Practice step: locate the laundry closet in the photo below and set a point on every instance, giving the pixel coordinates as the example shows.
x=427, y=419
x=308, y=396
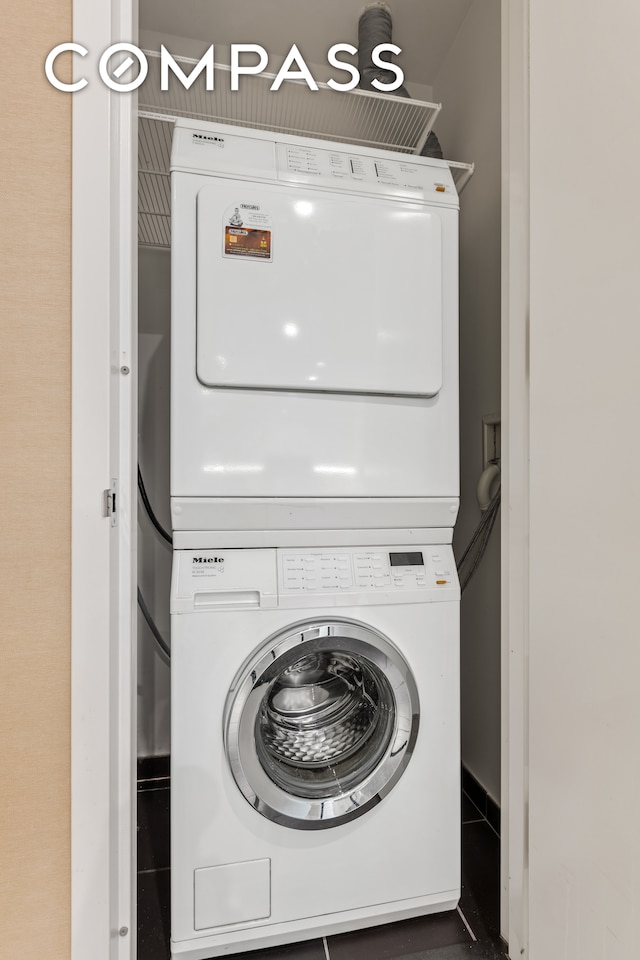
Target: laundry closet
x=451, y=55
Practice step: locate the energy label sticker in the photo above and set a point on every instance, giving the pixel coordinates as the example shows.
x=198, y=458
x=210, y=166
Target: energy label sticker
x=247, y=232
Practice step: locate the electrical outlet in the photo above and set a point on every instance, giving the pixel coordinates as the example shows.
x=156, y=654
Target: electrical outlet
x=490, y=439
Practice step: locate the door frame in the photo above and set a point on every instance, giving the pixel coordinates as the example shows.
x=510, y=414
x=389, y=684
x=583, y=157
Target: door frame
x=104, y=435
x=515, y=477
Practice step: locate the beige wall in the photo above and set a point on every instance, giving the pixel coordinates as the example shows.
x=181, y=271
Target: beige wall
x=584, y=644
x=35, y=183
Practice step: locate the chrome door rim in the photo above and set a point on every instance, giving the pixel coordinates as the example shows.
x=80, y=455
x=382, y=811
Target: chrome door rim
x=246, y=695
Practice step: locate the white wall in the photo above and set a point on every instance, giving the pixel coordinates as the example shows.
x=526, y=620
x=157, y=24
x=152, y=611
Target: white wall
x=154, y=555
x=469, y=129
x=584, y=642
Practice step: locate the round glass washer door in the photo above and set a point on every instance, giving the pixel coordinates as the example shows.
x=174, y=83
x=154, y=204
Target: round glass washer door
x=320, y=723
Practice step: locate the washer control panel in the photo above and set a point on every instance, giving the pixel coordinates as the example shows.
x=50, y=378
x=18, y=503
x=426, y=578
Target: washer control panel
x=272, y=577
x=316, y=571
x=378, y=570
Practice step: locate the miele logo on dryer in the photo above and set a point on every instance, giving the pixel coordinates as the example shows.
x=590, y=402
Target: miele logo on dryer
x=206, y=138
x=208, y=559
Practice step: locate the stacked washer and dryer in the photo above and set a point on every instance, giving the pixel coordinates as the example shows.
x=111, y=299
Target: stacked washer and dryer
x=314, y=488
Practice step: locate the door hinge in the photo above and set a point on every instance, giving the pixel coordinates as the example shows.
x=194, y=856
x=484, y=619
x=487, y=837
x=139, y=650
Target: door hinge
x=110, y=503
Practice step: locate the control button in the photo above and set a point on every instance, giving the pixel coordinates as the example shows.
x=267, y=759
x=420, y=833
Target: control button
x=440, y=581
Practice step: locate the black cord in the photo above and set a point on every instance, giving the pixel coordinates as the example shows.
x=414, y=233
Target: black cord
x=162, y=644
x=478, y=544
x=484, y=520
x=165, y=650
x=481, y=550
x=149, y=509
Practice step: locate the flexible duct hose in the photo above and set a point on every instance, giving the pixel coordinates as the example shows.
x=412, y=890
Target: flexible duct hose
x=375, y=27
x=485, y=485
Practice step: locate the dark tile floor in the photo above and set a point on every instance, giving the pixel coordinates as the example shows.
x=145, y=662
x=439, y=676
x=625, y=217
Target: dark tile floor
x=470, y=932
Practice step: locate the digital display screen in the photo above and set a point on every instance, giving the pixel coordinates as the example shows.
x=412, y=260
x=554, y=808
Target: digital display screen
x=406, y=559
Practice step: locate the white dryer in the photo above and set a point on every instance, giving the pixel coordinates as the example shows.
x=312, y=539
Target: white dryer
x=314, y=335
x=315, y=743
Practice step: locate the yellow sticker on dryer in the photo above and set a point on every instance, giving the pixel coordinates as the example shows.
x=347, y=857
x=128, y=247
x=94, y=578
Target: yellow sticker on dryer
x=247, y=232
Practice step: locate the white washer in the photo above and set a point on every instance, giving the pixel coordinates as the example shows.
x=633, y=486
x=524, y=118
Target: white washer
x=315, y=743
x=314, y=334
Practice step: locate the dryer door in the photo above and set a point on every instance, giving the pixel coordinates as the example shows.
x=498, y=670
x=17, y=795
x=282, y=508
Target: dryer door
x=317, y=291
x=320, y=723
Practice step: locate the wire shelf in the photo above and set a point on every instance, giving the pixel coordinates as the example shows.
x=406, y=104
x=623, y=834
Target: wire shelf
x=357, y=116
x=461, y=173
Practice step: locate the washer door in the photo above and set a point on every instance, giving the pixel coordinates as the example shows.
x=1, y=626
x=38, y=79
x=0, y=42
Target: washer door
x=320, y=723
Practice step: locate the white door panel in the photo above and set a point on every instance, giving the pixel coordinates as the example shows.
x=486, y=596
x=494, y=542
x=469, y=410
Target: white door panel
x=295, y=291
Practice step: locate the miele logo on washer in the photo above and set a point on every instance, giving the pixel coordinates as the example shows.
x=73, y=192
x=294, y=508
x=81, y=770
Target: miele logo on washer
x=208, y=559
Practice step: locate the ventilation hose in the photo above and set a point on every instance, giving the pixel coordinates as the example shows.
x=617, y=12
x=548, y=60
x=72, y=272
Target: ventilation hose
x=375, y=27
x=485, y=485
